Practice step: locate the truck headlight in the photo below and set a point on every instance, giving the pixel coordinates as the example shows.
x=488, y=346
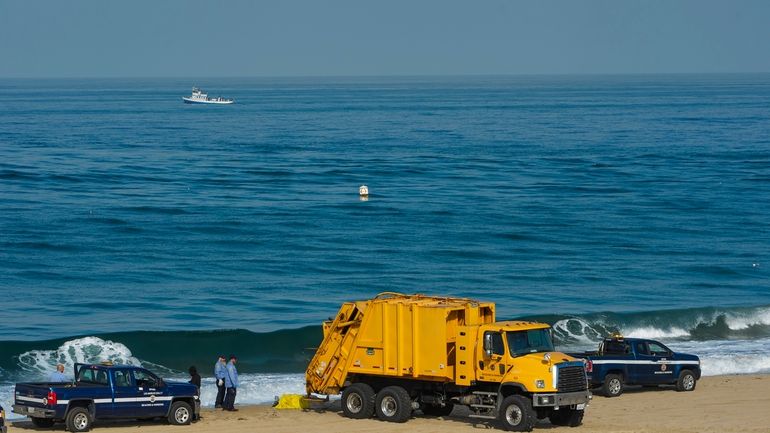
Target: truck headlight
x=540, y=383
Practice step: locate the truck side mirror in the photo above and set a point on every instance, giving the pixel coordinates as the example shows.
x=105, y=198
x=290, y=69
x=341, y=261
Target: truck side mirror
x=488, y=345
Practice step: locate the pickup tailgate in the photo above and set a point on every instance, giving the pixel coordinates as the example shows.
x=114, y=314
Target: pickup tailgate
x=32, y=394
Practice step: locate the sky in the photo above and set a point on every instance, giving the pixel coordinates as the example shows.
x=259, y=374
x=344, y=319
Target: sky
x=245, y=38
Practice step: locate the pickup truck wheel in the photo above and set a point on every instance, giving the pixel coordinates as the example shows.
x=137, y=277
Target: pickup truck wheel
x=567, y=416
x=613, y=385
x=686, y=381
x=358, y=401
x=42, y=422
x=393, y=404
x=78, y=420
x=180, y=413
x=517, y=414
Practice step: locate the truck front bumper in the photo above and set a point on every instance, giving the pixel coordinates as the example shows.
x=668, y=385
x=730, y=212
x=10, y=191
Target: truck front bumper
x=31, y=411
x=561, y=399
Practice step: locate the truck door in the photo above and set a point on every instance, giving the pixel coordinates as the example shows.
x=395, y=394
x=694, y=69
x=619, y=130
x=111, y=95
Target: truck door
x=661, y=355
x=646, y=365
x=151, y=393
x=124, y=403
x=492, y=360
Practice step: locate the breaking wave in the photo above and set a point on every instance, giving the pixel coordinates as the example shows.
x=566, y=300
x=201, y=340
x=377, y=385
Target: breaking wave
x=728, y=340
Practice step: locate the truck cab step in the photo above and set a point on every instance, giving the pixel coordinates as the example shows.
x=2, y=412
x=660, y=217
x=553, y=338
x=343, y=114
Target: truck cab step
x=482, y=416
x=484, y=406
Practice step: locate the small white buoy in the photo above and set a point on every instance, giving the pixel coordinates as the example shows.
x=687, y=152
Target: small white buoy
x=363, y=192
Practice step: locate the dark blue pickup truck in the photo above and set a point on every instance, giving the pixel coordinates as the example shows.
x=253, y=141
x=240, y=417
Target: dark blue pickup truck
x=102, y=391
x=636, y=361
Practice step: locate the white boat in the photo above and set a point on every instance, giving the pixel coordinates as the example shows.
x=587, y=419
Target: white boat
x=198, y=97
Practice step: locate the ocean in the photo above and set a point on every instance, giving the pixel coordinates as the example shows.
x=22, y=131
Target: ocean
x=138, y=229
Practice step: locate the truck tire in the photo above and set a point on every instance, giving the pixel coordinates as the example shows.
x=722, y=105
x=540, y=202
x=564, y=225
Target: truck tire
x=358, y=401
x=686, y=381
x=393, y=404
x=78, y=420
x=180, y=414
x=42, y=422
x=567, y=417
x=613, y=385
x=437, y=409
x=517, y=414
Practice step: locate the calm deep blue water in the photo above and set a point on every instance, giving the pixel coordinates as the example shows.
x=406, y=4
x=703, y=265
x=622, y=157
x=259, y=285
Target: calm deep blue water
x=637, y=203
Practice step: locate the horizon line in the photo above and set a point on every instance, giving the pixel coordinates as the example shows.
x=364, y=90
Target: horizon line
x=329, y=76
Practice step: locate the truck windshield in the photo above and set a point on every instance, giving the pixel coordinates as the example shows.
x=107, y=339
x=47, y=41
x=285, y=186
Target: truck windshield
x=531, y=341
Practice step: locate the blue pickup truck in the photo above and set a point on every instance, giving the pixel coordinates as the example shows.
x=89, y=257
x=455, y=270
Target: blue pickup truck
x=103, y=391
x=636, y=361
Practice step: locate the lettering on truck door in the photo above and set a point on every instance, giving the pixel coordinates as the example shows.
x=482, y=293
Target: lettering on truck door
x=151, y=397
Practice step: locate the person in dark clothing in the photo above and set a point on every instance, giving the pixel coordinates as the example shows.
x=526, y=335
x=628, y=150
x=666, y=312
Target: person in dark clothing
x=195, y=378
x=219, y=375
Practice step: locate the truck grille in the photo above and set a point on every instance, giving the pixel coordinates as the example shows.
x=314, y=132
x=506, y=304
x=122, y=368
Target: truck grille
x=572, y=378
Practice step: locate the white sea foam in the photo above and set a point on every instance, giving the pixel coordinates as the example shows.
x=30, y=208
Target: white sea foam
x=729, y=356
x=257, y=388
x=38, y=364
x=655, y=333
x=577, y=331
x=739, y=321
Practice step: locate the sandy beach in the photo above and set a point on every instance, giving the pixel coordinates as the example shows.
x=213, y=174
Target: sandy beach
x=719, y=404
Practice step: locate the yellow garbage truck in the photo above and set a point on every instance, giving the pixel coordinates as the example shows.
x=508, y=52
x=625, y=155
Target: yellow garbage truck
x=396, y=353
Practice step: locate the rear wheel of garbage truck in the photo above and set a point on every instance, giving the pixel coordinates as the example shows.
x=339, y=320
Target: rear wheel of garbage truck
x=437, y=409
x=393, y=404
x=358, y=401
x=42, y=422
x=567, y=416
x=613, y=385
x=517, y=414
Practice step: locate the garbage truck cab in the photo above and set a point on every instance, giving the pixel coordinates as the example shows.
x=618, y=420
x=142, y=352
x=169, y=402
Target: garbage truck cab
x=398, y=353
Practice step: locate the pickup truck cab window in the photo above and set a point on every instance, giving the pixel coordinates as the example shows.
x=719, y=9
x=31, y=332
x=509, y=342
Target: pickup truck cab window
x=123, y=378
x=612, y=347
x=145, y=378
x=641, y=348
x=530, y=341
x=97, y=376
x=657, y=349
